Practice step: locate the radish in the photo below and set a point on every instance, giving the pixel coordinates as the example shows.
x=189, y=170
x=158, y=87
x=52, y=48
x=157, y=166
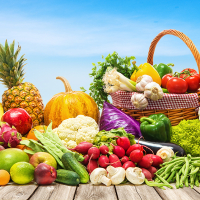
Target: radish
x=124, y=159
x=114, y=161
x=103, y=161
x=147, y=174
x=128, y=164
x=93, y=153
x=152, y=170
x=123, y=142
x=157, y=160
x=134, y=147
x=86, y=160
x=119, y=151
x=146, y=162
x=92, y=165
x=136, y=156
x=104, y=149
x=82, y=147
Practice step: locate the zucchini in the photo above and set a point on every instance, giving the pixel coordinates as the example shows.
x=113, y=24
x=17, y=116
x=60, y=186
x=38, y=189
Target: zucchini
x=67, y=177
x=69, y=160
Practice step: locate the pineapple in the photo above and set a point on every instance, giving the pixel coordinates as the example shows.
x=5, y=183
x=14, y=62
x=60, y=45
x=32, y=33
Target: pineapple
x=19, y=95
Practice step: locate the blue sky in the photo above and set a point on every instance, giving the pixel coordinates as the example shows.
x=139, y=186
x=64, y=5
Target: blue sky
x=64, y=38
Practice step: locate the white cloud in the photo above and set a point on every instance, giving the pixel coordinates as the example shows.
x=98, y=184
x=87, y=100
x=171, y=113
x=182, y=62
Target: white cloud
x=88, y=36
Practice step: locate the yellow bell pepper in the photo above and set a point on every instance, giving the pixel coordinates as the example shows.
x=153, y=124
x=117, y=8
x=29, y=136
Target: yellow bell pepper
x=146, y=69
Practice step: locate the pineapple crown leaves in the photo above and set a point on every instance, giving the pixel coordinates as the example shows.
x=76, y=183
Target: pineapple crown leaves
x=11, y=69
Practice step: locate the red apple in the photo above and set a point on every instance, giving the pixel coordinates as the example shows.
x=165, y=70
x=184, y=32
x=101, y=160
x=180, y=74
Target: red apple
x=45, y=174
x=19, y=118
x=1, y=147
x=43, y=157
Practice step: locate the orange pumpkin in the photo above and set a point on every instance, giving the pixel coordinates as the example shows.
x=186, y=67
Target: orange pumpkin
x=69, y=104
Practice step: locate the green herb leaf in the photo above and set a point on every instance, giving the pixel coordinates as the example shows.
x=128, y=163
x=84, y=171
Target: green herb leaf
x=123, y=65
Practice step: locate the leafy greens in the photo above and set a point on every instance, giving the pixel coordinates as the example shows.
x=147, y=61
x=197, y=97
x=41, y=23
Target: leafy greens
x=123, y=65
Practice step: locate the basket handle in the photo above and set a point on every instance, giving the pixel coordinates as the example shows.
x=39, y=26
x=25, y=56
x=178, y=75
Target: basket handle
x=179, y=34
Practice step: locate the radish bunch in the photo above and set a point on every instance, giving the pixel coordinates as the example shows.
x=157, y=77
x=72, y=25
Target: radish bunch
x=124, y=155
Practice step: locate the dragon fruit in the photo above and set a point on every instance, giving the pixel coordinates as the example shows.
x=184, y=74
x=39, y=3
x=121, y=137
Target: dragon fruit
x=9, y=137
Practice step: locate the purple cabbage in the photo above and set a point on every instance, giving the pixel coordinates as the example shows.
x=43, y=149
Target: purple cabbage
x=113, y=118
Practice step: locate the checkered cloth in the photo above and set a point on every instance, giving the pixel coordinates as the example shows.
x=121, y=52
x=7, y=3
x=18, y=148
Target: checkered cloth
x=169, y=101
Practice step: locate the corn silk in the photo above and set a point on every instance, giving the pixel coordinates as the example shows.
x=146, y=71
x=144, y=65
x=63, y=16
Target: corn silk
x=187, y=135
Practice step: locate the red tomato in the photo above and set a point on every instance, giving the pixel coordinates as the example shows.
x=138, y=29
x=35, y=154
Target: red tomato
x=177, y=85
x=193, y=83
x=165, y=79
x=191, y=71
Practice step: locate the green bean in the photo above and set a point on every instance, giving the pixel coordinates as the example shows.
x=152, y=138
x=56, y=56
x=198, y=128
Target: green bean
x=183, y=168
x=169, y=167
x=174, y=160
x=177, y=180
x=161, y=170
x=186, y=182
x=166, y=175
x=194, y=171
x=153, y=184
x=157, y=180
x=176, y=168
x=196, y=164
x=192, y=177
x=171, y=176
x=185, y=172
x=164, y=181
x=181, y=181
x=198, y=173
x=195, y=158
x=196, y=182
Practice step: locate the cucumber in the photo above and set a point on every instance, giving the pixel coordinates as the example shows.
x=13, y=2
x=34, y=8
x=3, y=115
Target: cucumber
x=69, y=160
x=67, y=177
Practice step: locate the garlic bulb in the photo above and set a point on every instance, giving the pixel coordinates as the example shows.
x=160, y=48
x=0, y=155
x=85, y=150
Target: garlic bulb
x=153, y=91
x=139, y=101
x=142, y=81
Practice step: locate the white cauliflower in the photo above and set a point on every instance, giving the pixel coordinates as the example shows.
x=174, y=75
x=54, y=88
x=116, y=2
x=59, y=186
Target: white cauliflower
x=72, y=131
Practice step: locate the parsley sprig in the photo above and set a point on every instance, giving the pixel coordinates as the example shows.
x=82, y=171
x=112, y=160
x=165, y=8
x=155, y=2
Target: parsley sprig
x=123, y=65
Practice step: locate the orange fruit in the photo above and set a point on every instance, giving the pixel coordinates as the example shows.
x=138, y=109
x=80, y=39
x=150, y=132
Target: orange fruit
x=4, y=177
x=41, y=128
x=21, y=146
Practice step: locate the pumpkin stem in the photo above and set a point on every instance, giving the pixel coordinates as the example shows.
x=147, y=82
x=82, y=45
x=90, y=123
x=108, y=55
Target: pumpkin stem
x=66, y=83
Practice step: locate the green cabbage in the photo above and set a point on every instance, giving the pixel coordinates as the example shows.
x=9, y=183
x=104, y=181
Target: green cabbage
x=187, y=135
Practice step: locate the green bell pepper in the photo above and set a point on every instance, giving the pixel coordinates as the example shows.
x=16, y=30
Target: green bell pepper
x=156, y=127
x=163, y=69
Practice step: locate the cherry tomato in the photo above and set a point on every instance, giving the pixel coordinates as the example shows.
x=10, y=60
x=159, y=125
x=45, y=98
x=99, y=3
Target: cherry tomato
x=177, y=86
x=165, y=79
x=193, y=83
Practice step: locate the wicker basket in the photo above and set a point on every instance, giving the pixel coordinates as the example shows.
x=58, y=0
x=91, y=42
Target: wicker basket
x=175, y=115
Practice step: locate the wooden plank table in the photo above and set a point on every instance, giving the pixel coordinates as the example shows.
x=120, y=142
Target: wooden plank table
x=57, y=191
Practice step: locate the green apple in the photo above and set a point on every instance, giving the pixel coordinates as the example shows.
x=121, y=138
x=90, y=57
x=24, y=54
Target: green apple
x=43, y=157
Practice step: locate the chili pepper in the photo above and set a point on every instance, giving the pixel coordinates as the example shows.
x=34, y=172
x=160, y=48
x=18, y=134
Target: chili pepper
x=156, y=127
x=163, y=69
x=146, y=69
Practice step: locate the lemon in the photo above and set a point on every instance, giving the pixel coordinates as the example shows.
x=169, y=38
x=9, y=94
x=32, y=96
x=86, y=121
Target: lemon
x=22, y=172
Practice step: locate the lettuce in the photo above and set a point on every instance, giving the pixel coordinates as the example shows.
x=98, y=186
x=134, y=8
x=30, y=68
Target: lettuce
x=107, y=137
x=113, y=118
x=187, y=135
